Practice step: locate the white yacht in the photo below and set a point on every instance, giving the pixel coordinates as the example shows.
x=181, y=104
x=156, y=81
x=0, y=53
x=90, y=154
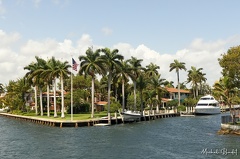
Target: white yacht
x=207, y=105
x=130, y=116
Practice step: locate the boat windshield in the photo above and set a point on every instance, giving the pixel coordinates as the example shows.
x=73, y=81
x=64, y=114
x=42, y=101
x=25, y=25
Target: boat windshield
x=208, y=98
x=202, y=104
x=207, y=104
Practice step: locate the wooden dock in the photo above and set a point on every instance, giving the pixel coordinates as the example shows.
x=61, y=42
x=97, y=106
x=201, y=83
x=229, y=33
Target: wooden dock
x=80, y=123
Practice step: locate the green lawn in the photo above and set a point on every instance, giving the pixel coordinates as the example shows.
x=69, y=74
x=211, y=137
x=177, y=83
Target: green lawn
x=85, y=116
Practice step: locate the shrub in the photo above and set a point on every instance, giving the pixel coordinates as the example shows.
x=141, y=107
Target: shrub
x=181, y=108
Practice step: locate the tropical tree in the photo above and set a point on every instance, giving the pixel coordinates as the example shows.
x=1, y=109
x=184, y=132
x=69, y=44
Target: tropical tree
x=34, y=78
x=112, y=60
x=230, y=63
x=51, y=74
x=91, y=65
x=177, y=66
x=1, y=88
x=157, y=82
x=169, y=84
x=151, y=70
x=124, y=73
x=141, y=85
x=136, y=67
x=195, y=76
x=150, y=96
x=225, y=91
x=46, y=74
x=63, y=72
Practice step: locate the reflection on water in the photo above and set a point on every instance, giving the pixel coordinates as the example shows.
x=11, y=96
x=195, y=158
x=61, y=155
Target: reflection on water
x=177, y=137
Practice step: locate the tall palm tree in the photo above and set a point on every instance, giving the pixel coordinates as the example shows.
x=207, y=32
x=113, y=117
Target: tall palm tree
x=34, y=78
x=63, y=72
x=157, y=82
x=141, y=85
x=177, y=66
x=91, y=65
x=195, y=76
x=46, y=75
x=136, y=68
x=112, y=60
x=124, y=73
x=52, y=74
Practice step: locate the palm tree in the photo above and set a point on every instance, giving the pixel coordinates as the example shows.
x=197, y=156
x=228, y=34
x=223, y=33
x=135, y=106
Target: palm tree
x=151, y=70
x=112, y=60
x=63, y=72
x=46, y=75
x=157, y=82
x=91, y=65
x=141, y=84
x=195, y=76
x=136, y=68
x=1, y=88
x=34, y=78
x=51, y=74
x=176, y=65
x=169, y=84
x=124, y=73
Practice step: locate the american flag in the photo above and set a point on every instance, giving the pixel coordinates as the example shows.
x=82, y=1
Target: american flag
x=74, y=65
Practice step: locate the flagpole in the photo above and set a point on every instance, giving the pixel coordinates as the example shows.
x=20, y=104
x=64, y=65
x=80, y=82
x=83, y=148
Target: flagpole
x=71, y=94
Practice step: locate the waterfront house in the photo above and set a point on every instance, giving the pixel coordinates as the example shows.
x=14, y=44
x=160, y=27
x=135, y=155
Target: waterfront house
x=172, y=94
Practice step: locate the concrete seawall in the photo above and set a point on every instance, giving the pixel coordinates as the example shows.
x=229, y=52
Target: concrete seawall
x=80, y=123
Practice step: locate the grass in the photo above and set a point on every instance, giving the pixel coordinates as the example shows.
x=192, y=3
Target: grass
x=86, y=116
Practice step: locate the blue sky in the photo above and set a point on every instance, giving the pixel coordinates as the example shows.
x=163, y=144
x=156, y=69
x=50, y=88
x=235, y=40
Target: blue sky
x=158, y=31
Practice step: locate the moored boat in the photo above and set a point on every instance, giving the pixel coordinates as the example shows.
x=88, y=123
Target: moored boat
x=207, y=105
x=130, y=115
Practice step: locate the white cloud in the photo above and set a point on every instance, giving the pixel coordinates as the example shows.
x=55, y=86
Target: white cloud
x=200, y=54
x=7, y=39
x=107, y=31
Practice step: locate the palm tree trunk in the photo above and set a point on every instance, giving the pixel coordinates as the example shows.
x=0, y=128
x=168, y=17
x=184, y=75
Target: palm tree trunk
x=196, y=90
x=135, y=96
x=123, y=96
x=178, y=89
x=48, y=110
x=62, y=94
x=109, y=90
x=141, y=103
x=92, y=115
x=35, y=91
x=54, y=96
x=41, y=104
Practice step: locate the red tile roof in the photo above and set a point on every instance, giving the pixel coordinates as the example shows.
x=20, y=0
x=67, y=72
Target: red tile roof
x=175, y=90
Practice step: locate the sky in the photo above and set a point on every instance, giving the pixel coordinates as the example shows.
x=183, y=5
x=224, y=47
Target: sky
x=192, y=31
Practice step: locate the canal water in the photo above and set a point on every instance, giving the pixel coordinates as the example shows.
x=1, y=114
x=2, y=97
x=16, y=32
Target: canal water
x=177, y=137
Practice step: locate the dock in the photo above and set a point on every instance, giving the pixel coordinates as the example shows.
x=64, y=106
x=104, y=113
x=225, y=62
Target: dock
x=87, y=123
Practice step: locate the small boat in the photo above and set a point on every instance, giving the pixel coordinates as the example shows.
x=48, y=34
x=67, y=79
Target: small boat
x=207, y=105
x=186, y=114
x=130, y=115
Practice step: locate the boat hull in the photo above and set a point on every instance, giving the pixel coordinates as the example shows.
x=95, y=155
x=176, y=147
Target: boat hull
x=207, y=111
x=131, y=116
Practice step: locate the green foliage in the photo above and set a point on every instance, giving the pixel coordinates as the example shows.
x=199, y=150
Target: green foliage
x=130, y=102
x=114, y=106
x=181, y=108
x=190, y=102
x=230, y=63
x=172, y=103
x=79, y=108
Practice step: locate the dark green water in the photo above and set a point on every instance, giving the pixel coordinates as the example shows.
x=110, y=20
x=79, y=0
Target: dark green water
x=177, y=137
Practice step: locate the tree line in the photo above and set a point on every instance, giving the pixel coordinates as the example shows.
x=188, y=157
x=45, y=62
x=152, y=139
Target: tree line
x=123, y=81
